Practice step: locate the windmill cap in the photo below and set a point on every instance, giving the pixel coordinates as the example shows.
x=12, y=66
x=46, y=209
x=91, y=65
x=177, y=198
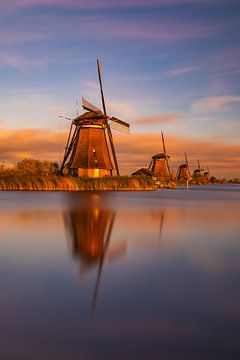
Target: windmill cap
x=160, y=156
x=90, y=115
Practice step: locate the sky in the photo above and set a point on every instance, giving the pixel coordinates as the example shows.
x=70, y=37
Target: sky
x=168, y=65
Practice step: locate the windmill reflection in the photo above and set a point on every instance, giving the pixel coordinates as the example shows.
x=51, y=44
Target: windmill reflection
x=90, y=229
x=162, y=218
x=159, y=217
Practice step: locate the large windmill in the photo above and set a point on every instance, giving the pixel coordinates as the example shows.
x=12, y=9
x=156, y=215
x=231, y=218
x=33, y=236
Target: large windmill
x=159, y=164
x=90, y=150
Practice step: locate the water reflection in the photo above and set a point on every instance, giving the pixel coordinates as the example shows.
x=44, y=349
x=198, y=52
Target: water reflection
x=90, y=230
x=161, y=269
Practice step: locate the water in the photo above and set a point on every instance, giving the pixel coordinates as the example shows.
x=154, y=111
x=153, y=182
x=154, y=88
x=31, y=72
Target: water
x=120, y=275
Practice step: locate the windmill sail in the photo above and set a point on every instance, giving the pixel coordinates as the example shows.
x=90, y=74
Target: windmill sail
x=101, y=86
x=120, y=125
x=88, y=106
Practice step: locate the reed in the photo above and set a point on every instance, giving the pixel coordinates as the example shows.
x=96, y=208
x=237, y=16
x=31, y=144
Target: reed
x=29, y=182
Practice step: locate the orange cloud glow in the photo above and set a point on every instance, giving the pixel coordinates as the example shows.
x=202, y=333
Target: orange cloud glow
x=133, y=151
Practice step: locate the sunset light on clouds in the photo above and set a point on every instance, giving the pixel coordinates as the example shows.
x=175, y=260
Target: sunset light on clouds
x=168, y=65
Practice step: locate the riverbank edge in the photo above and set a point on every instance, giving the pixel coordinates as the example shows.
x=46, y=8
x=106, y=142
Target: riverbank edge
x=62, y=183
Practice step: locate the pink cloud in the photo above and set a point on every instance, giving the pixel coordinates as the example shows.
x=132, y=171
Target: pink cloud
x=51, y=26
x=20, y=62
x=181, y=70
x=14, y=36
x=159, y=119
x=214, y=103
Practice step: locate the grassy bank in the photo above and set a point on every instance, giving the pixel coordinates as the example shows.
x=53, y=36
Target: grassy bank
x=59, y=183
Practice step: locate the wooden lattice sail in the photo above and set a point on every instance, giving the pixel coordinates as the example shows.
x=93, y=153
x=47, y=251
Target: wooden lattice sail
x=159, y=164
x=90, y=150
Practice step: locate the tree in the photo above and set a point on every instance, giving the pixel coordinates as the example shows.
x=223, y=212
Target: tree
x=32, y=166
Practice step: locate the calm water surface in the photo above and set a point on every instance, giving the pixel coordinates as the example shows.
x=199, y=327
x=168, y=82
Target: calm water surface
x=120, y=275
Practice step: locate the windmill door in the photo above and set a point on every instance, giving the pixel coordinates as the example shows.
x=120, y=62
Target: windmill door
x=96, y=173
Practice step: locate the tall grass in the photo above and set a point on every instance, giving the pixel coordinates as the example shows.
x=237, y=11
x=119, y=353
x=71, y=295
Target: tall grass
x=28, y=182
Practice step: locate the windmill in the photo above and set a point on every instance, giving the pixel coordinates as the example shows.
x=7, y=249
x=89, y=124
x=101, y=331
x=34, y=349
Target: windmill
x=183, y=172
x=198, y=170
x=207, y=175
x=90, y=150
x=159, y=164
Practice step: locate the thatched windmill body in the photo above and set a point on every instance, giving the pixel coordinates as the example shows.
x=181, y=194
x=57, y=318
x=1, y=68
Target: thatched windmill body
x=159, y=164
x=90, y=150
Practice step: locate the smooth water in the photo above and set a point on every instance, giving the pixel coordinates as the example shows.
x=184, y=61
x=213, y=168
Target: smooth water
x=120, y=275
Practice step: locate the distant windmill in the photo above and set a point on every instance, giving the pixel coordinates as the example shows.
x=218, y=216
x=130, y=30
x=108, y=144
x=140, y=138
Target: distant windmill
x=207, y=175
x=159, y=164
x=183, y=172
x=198, y=170
x=90, y=150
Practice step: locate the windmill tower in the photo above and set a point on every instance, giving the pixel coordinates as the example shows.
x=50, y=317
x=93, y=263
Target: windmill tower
x=90, y=150
x=183, y=172
x=159, y=164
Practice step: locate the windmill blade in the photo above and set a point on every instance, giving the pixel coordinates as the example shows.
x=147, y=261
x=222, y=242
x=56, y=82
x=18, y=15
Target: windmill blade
x=164, y=150
x=69, y=146
x=101, y=87
x=186, y=160
x=63, y=117
x=90, y=107
x=118, y=121
x=120, y=125
x=112, y=148
x=163, y=143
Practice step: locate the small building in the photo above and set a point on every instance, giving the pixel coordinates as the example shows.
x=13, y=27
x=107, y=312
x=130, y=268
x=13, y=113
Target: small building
x=143, y=172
